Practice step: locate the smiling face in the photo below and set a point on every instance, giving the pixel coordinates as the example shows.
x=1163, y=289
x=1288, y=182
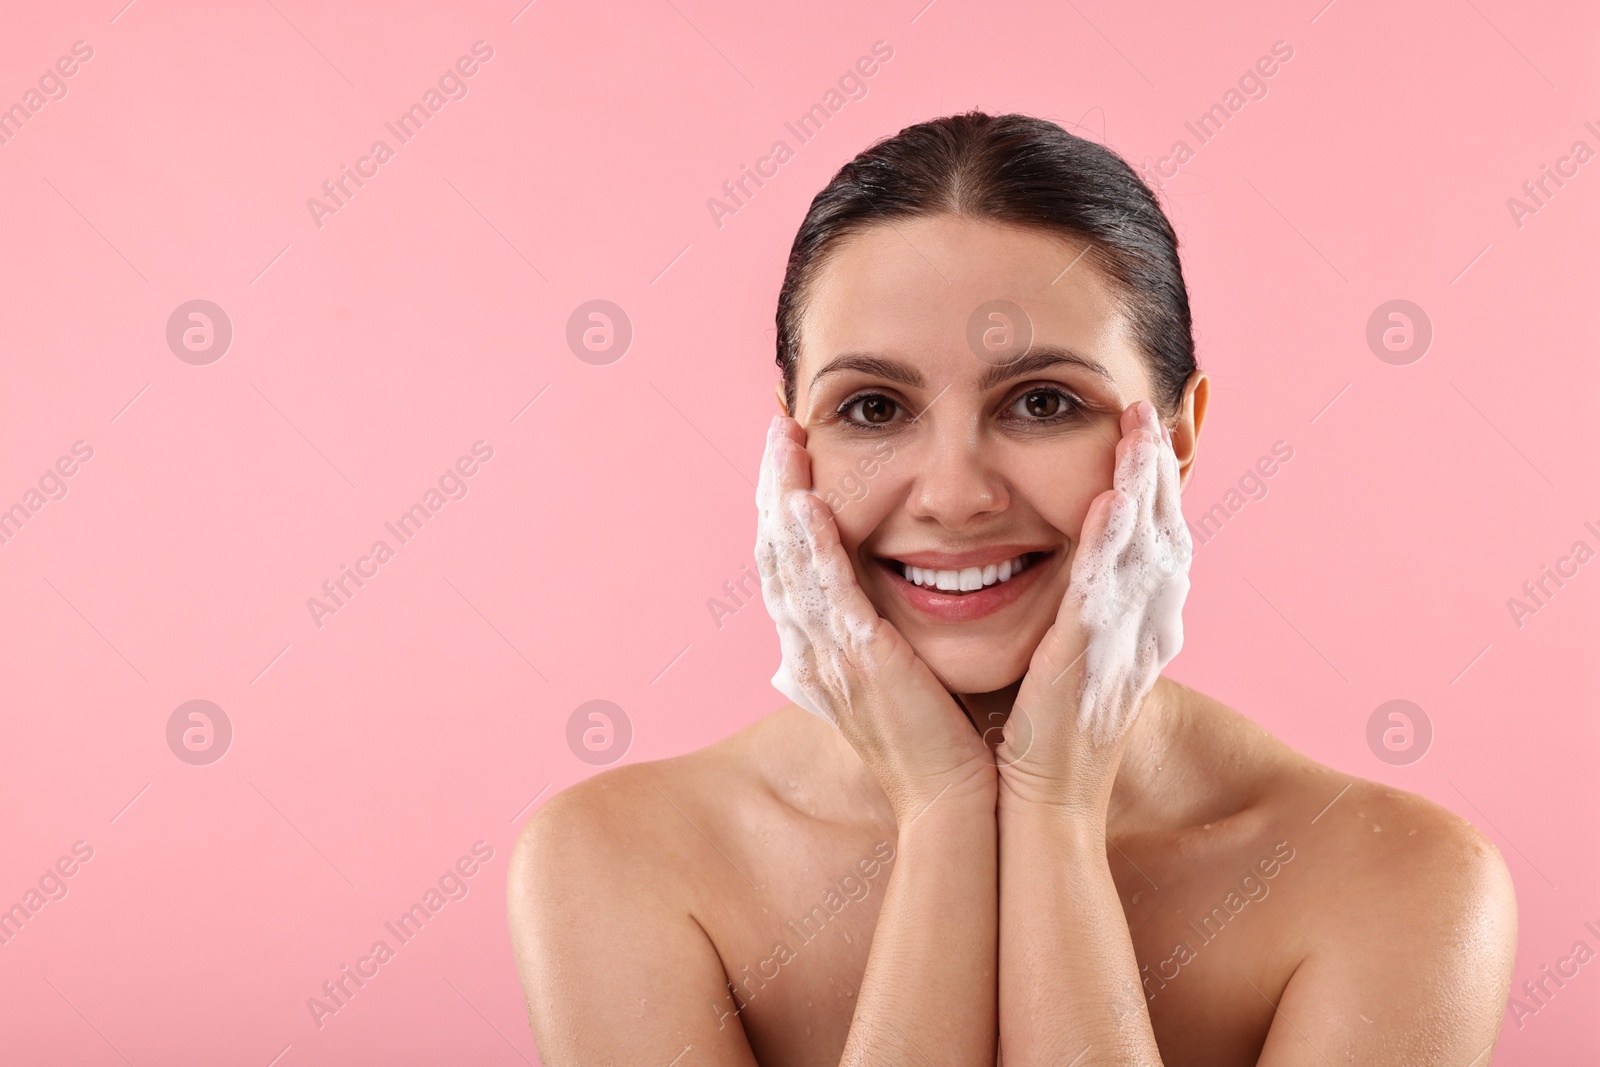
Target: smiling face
x=948, y=465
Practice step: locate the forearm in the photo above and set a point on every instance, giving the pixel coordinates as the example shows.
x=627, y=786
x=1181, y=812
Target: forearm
x=928, y=994
x=1069, y=980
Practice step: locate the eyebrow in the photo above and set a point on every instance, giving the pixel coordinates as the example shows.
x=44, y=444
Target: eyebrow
x=1037, y=359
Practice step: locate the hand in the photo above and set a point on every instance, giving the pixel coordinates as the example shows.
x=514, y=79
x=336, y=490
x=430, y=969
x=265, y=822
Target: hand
x=1120, y=623
x=844, y=662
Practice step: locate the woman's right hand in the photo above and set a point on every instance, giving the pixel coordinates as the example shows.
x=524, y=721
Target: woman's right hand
x=844, y=662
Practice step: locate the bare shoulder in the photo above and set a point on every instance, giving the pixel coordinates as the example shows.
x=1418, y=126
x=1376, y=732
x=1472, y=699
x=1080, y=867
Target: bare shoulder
x=1392, y=855
x=1371, y=847
x=602, y=910
x=615, y=823
x=1406, y=932
x=590, y=830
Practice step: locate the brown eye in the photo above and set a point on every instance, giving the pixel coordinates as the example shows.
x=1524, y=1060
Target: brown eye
x=876, y=409
x=1046, y=406
x=1042, y=405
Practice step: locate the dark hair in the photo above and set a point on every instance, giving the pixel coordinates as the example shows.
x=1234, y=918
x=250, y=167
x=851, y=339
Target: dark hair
x=1012, y=169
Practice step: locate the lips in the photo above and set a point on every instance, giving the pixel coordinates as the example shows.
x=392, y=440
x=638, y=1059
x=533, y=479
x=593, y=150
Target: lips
x=958, y=581
x=965, y=586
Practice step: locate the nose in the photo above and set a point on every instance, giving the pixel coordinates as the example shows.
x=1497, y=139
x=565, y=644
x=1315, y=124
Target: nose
x=958, y=485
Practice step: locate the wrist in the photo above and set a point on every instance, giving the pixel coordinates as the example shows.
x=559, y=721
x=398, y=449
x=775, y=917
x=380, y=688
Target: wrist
x=1070, y=798
x=969, y=792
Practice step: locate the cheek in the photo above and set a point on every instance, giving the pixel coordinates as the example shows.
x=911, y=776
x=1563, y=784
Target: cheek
x=1059, y=484
x=858, y=486
x=861, y=503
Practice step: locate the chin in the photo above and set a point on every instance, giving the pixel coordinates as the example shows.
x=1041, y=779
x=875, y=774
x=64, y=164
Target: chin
x=983, y=654
x=976, y=667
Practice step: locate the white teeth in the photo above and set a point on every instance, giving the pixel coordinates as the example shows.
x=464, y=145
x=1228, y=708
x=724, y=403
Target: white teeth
x=967, y=579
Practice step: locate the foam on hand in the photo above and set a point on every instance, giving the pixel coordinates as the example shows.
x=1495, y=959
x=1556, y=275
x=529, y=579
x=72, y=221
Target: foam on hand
x=790, y=609
x=1130, y=584
x=816, y=630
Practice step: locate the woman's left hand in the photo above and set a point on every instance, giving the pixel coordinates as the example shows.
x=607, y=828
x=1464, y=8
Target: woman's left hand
x=1119, y=624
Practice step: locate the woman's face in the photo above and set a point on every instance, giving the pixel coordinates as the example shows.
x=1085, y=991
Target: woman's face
x=938, y=447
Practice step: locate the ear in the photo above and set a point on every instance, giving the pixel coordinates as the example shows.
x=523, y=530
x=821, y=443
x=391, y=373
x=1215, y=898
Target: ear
x=777, y=390
x=1186, y=429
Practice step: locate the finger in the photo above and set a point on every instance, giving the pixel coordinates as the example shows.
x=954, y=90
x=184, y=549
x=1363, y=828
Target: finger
x=780, y=540
x=1121, y=523
x=767, y=478
x=1141, y=414
x=777, y=534
x=1103, y=521
x=1169, y=494
x=845, y=608
x=1130, y=418
x=785, y=469
x=1136, y=469
x=1107, y=527
x=785, y=463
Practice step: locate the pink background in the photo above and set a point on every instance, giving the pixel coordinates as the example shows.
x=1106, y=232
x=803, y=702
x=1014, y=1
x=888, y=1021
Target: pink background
x=368, y=354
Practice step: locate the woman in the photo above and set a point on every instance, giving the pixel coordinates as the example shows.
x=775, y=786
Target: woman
x=987, y=825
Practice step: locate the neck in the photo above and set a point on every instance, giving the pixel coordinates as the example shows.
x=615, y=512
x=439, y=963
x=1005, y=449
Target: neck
x=1140, y=774
x=1144, y=753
